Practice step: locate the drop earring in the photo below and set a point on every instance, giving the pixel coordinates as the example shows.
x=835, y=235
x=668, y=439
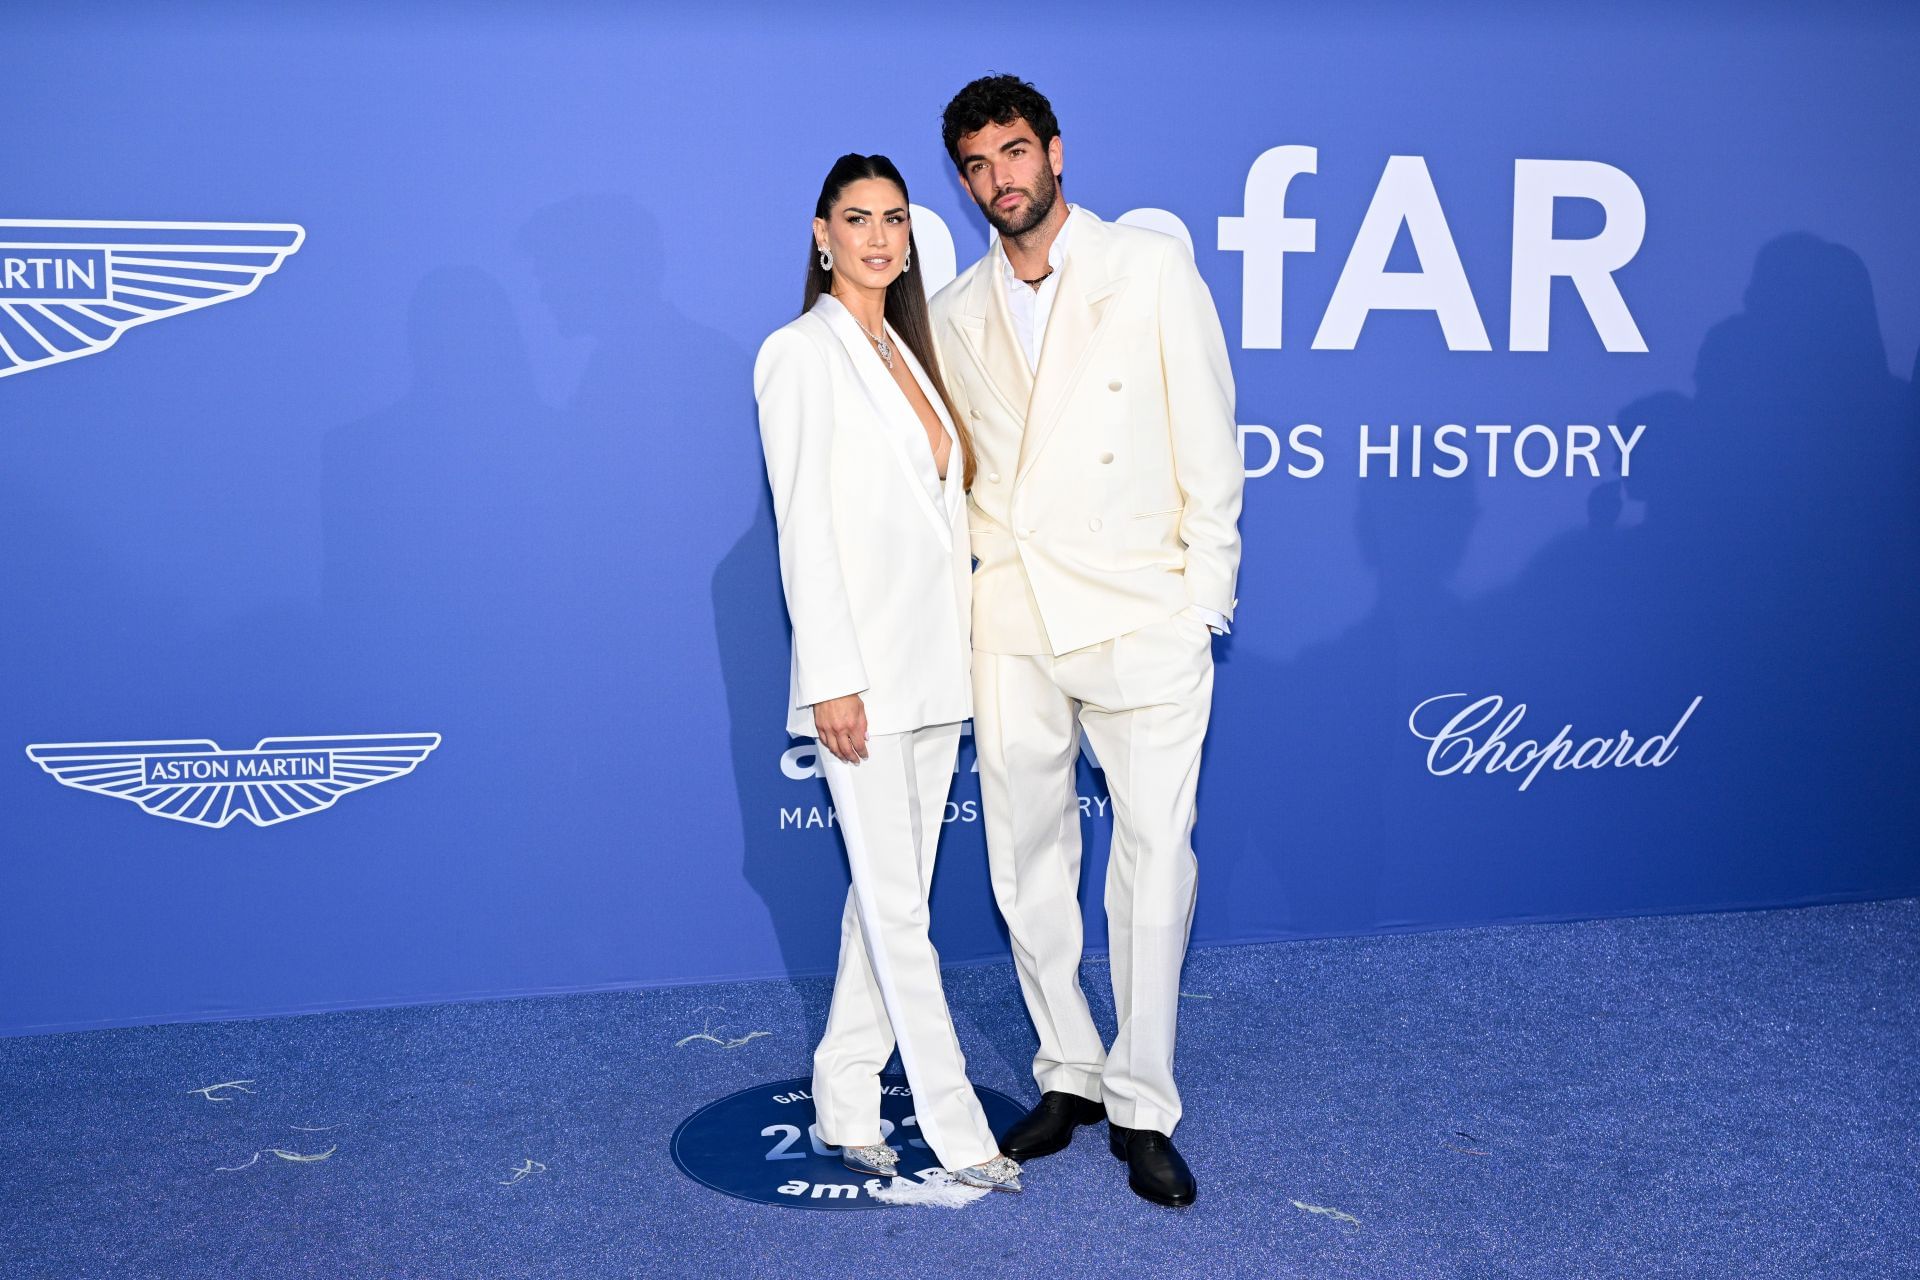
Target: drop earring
x=826, y=259
x=906, y=263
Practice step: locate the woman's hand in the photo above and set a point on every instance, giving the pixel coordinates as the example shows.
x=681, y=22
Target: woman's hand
x=841, y=725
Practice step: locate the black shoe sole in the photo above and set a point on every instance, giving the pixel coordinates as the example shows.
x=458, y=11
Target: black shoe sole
x=1171, y=1202
x=1024, y=1154
x=1119, y=1150
x=1088, y=1113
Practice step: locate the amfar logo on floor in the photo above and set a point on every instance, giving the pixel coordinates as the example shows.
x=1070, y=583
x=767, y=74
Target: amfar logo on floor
x=197, y=782
x=1456, y=749
x=70, y=289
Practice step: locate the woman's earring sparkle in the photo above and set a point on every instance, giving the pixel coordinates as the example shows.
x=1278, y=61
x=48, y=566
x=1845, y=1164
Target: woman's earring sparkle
x=906, y=263
x=826, y=259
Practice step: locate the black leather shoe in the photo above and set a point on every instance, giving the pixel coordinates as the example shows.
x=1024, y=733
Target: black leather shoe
x=1155, y=1170
x=1049, y=1127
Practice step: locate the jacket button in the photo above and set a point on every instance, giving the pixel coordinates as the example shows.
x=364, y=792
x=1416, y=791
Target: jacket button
x=1106, y=457
x=1094, y=524
x=974, y=412
x=1020, y=534
x=993, y=477
x=1114, y=385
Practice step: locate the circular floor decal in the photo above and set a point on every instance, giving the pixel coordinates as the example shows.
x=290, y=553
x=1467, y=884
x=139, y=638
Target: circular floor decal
x=760, y=1144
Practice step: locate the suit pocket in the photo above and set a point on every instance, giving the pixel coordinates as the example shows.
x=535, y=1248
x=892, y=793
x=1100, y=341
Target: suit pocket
x=1153, y=540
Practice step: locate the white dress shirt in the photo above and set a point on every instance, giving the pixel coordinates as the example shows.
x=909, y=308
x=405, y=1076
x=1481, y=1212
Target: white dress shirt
x=1030, y=307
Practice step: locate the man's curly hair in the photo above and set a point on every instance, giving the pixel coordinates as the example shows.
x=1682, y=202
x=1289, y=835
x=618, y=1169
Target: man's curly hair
x=996, y=99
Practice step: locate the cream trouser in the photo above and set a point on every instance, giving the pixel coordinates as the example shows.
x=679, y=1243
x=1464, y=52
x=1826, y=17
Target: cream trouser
x=890, y=808
x=1143, y=700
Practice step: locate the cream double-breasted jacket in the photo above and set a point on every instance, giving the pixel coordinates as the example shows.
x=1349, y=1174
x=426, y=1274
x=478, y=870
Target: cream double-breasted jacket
x=1109, y=483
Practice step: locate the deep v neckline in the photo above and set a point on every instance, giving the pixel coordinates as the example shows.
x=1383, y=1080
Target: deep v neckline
x=896, y=417
x=905, y=353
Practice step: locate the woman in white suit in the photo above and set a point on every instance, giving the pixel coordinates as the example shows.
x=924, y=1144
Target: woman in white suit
x=869, y=470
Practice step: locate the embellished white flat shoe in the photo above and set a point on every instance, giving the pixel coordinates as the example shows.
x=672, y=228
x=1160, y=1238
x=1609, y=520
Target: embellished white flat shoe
x=997, y=1174
x=881, y=1160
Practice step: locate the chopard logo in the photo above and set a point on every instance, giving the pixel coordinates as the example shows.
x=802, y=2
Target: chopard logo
x=197, y=782
x=70, y=289
x=1465, y=743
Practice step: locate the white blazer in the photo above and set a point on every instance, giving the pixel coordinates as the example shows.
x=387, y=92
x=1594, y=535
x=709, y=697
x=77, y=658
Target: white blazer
x=873, y=544
x=1109, y=484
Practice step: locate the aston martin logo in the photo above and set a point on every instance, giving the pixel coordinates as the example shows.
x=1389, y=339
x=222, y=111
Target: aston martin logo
x=196, y=781
x=70, y=289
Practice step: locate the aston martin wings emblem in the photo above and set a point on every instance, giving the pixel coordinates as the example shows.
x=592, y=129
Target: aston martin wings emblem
x=198, y=782
x=70, y=289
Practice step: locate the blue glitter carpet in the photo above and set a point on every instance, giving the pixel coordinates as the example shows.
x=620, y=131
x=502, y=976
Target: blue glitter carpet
x=1715, y=1096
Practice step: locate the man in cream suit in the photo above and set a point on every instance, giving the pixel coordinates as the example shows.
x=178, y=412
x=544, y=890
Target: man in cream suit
x=1091, y=366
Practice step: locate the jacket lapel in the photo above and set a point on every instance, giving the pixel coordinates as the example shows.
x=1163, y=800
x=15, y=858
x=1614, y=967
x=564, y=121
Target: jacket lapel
x=1080, y=308
x=986, y=327
x=893, y=412
x=950, y=484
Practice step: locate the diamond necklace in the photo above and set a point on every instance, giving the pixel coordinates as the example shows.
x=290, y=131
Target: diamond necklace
x=880, y=344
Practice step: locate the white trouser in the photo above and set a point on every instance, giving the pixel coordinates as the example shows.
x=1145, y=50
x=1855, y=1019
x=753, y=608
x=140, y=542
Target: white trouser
x=1143, y=700
x=890, y=808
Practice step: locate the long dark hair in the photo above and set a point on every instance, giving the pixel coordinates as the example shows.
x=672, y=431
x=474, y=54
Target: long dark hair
x=906, y=305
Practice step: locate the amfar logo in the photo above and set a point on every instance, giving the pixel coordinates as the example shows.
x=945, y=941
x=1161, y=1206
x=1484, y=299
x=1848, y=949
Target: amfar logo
x=801, y=763
x=197, y=782
x=1404, y=196
x=1456, y=748
x=70, y=289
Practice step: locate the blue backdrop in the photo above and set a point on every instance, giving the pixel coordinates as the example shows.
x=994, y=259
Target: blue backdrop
x=478, y=460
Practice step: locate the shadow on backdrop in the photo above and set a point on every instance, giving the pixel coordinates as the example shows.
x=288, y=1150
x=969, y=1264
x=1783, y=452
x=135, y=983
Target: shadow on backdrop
x=1780, y=503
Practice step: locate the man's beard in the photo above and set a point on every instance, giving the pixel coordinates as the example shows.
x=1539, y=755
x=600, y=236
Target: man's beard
x=1030, y=215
